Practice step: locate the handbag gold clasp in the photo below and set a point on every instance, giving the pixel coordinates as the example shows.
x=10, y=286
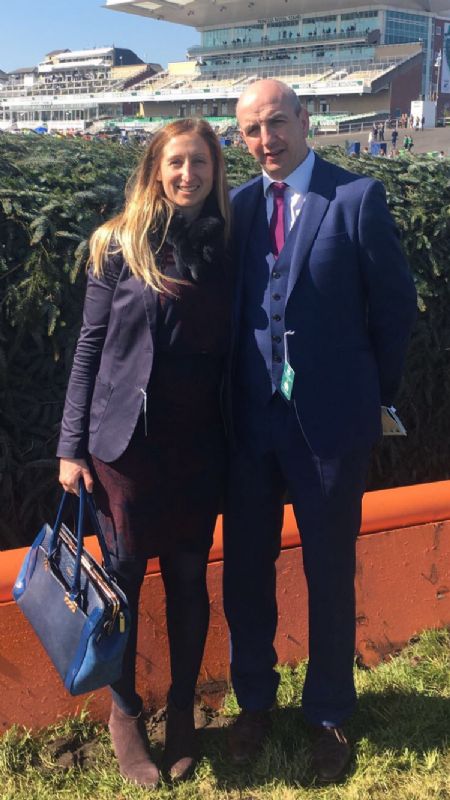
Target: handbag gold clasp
x=71, y=604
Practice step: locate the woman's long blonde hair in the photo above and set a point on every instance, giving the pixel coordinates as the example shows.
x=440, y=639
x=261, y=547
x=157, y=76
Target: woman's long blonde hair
x=147, y=209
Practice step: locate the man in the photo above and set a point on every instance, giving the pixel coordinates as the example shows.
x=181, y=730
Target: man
x=323, y=311
x=394, y=137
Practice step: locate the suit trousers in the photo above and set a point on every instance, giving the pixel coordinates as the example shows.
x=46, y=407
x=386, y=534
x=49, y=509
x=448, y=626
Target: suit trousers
x=326, y=494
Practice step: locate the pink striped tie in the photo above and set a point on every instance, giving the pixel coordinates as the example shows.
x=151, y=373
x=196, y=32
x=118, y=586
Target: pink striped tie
x=276, y=227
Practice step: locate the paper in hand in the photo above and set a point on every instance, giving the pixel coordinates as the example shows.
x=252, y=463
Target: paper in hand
x=392, y=424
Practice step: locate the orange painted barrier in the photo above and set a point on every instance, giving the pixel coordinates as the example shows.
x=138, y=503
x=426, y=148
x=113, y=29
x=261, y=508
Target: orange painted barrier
x=402, y=587
x=383, y=510
x=391, y=509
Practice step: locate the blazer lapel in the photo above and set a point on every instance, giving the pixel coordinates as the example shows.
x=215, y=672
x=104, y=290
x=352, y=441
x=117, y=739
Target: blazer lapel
x=245, y=225
x=314, y=208
x=151, y=308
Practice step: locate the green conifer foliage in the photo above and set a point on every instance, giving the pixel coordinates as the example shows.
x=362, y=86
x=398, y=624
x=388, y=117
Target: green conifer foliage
x=54, y=193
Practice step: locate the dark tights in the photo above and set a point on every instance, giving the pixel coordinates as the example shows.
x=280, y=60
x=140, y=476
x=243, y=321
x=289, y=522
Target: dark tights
x=187, y=613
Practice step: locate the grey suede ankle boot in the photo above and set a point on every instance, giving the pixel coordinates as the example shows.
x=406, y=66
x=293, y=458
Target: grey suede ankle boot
x=131, y=747
x=180, y=753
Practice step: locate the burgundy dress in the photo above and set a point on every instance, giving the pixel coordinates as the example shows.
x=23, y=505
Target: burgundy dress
x=164, y=491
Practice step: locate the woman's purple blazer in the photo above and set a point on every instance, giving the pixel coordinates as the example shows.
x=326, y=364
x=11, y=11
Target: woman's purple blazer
x=112, y=365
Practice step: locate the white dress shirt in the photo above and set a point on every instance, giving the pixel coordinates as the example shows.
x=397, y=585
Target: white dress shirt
x=294, y=197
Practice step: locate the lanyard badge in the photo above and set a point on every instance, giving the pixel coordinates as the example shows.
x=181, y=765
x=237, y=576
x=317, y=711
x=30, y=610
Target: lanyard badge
x=287, y=378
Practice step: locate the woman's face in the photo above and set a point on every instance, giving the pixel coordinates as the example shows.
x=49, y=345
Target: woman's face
x=187, y=172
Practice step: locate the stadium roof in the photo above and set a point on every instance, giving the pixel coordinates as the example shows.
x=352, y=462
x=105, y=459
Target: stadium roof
x=23, y=71
x=57, y=52
x=69, y=55
x=201, y=13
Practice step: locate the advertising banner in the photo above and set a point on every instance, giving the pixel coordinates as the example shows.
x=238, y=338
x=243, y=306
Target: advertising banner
x=445, y=64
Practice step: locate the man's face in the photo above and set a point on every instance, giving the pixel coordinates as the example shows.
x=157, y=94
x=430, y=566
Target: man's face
x=274, y=134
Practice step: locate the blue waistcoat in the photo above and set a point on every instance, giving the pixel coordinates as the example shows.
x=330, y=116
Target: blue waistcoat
x=265, y=283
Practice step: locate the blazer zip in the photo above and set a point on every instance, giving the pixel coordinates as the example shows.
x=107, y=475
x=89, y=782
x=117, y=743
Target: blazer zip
x=144, y=409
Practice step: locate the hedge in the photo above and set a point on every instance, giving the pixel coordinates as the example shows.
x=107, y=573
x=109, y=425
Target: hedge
x=53, y=193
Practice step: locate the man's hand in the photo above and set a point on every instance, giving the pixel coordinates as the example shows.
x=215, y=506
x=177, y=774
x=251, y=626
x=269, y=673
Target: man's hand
x=70, y=472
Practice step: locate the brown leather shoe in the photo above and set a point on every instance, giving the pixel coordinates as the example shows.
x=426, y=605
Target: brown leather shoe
x=247, y=734
x=330, y=752
x=180, y=752
x=131, y=747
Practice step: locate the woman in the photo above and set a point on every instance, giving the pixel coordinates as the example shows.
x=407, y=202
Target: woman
x=142, y=423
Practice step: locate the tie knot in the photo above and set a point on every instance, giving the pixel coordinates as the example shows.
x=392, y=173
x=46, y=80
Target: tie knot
x=278, y=188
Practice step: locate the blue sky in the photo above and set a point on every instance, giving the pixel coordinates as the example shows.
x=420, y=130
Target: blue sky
x=31, y=28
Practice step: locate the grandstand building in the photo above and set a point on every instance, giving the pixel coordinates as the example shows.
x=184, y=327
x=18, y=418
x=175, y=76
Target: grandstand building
x=335, y=57
x=69, y=89
x=356, y=62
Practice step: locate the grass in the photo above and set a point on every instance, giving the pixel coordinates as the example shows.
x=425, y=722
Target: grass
x=401, y=733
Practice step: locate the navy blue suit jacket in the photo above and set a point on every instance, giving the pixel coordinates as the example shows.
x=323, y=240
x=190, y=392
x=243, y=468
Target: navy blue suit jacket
x=351, y=302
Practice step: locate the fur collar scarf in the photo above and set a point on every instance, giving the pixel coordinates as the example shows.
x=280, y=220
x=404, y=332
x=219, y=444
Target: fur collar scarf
x=198, y=247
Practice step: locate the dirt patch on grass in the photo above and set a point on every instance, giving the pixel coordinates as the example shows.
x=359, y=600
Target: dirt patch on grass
x=66, y=752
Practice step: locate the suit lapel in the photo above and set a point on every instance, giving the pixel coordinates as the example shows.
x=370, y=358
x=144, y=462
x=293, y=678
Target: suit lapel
x=151, y=308
x=302, y=235
x=246, y=225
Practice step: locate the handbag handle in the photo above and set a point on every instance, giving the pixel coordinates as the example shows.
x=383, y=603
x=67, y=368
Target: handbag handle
x=84, y=498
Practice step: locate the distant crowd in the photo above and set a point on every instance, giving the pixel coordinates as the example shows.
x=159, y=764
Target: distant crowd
x=377, y=143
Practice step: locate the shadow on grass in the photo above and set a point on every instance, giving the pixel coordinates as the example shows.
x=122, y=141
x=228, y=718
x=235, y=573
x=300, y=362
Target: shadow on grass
x=395, y=720
x=389, y=722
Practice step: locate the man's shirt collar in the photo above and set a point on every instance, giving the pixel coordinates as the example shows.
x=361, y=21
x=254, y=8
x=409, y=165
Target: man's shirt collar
x=298, y=180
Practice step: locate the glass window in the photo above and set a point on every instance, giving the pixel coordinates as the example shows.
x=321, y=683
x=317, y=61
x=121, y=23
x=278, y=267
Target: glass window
x=318, y=20
x=359, y=15
x=224, y=37
x=404, y=27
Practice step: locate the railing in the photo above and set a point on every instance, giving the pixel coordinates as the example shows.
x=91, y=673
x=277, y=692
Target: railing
x=265, y=43
x=61, y=88
x=293, y=71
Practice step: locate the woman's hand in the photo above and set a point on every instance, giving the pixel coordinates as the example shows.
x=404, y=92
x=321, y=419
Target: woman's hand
x=70, y=472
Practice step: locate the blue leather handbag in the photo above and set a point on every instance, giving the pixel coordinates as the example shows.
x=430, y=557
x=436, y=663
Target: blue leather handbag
x=74, y=605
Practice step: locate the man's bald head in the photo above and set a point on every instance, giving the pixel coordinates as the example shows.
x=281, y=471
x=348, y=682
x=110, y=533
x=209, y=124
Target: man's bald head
x=269, y=87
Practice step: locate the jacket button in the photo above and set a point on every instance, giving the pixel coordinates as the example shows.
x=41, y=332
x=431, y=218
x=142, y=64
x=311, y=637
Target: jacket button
x=277, y=359
x=276, y=317
x=276, y=275
x=276, y=296
x=276, y=339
